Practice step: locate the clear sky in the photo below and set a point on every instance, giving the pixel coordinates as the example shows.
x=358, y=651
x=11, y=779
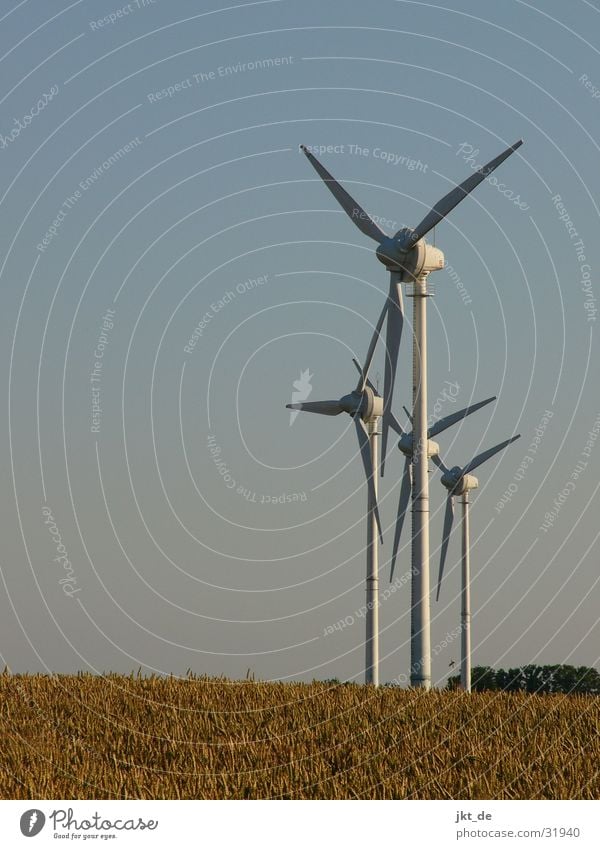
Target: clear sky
x=170, y=267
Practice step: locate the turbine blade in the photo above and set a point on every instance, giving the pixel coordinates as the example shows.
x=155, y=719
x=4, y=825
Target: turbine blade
x=439, y=463
x=365, y=452
x=448, y=519
x=454, y=197
x=371, y=350
x=394, y=423
x=395, y=323
x=485, y=455
x=325, y=408
x=448, y=421
x=360, y=371
x=352, y=209
x=403, y=502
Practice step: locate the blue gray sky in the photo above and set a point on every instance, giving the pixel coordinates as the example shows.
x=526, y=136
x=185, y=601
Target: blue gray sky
x=171, y=266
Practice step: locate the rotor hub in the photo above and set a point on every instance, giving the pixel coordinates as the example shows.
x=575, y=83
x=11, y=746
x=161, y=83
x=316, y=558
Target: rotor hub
x=351, y=403
x=367, y=404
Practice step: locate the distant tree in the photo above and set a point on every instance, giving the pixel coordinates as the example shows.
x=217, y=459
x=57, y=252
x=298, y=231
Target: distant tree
x=587, y=680
x=483, y=678
x=502, y=679
x=532, y=678
x=453, y=682
x=513, y=681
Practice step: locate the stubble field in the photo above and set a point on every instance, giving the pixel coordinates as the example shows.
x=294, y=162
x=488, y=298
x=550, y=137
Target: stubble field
x=86, y=736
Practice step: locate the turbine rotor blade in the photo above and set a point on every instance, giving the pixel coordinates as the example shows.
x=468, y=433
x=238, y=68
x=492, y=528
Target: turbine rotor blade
x=448, y=519
x=371, y=350
x=325, y=408
x=395, y=323
x=454, y=197
x=360, y=371
x=437, y=460
x=485, y=455
x=365, y=451
x=352, y=209
x=403, y=502
x=448, y=421
x=394, y=423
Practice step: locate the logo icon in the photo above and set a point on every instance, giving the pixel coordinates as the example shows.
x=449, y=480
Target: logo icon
x=32, y=822
x=302, y=388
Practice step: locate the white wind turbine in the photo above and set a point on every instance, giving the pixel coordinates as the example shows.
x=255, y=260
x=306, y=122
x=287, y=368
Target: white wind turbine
x=409, y=259
x=459, y=482
x=366, y=407
x=406, y=447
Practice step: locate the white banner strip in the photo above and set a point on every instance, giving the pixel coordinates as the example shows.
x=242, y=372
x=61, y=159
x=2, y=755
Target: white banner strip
x=301, y=824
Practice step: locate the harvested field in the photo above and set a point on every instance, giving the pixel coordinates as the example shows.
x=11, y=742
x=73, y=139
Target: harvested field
x=87, y=736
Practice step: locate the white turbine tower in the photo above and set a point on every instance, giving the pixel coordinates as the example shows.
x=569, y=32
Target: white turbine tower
x=366, y=407
x=459, y=482
x=409, y=259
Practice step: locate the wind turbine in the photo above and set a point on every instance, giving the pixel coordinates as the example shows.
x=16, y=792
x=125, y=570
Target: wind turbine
x=366, y=407
x=459, y=482
x=409, y=259
x=433, y=449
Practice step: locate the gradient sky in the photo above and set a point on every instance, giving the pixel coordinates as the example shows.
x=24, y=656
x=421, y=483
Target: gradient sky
x=209, y=217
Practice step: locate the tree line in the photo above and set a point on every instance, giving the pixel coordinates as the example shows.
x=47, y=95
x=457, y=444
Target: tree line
x=558, y=678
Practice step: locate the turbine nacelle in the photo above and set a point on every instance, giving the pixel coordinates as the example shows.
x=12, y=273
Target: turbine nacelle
x=406, y=445
x=415, y=261
x=372, y=405
x=457, y=483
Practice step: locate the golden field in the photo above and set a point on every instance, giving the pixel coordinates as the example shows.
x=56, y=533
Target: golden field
x=87, y=736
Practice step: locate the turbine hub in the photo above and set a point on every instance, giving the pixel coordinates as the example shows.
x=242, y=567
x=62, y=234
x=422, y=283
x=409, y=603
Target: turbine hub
x=366, y=404
x=391, y=253
x=351, y=403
